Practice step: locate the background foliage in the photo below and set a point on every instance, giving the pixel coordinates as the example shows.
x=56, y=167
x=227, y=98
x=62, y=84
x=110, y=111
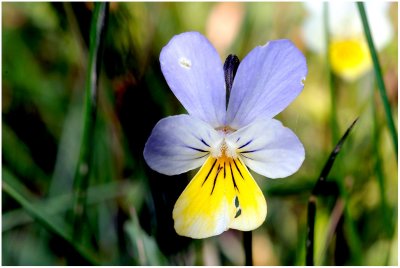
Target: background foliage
x=128, y=220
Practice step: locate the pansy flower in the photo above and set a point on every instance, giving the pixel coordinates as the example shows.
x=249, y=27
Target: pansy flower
x=228, y=130
x=348, y=49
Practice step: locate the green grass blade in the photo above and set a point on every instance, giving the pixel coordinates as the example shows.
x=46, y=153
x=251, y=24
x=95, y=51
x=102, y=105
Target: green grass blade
x=329, y=163
x=312, y=200
x=12, y=187
x=81, y=182
x=379, y=77
x=57, y=205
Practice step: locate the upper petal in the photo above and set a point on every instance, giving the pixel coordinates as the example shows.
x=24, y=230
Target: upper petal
x=178, y=144
x=268, y=79
x=193, y=71
x=269, y=148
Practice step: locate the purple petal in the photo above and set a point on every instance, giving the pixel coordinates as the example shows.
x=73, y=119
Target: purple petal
x=268, y=79
x=193, y=71
x=178, y=144
x=269, y=148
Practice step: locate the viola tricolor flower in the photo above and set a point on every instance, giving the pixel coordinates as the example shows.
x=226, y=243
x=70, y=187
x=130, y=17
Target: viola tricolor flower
x=348, y=49
x=229, y=128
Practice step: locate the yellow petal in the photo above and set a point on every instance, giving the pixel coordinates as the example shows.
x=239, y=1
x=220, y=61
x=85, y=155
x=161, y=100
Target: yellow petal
x=222, y=195
x=251, y=202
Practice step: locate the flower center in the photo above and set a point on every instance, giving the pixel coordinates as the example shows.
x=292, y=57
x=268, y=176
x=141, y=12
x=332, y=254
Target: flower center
x=224, y=148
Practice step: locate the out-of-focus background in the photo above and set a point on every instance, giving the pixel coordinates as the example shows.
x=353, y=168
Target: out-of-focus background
x=128, y=221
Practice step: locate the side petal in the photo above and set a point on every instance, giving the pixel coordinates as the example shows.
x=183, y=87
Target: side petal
x=268, y=79
x=269, y=148
x=194, y=72
x=178, y=144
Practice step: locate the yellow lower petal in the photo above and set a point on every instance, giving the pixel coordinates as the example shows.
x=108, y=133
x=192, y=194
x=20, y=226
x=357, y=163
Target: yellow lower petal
x=252, y=204
x=350, y=58
x=222, y=195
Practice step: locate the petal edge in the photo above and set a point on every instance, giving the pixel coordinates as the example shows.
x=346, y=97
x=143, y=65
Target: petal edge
x=193, y=71
x=268, y=79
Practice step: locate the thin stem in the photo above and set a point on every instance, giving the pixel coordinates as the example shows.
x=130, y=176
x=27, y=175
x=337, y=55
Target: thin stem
x=379, y=77
x=248, y=249
x=82, y=173
x=311, y=212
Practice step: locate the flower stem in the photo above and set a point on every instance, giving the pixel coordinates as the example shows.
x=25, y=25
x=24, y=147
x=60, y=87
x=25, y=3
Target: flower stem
x=379, y=77
x=311, y=211
x=82, y=172
x=248, y=249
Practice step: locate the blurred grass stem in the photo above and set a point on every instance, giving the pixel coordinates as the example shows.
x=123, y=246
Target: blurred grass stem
x=57, y=205
x=12, y=187
x=378, y=169
x=82, y=173
x=379, y=77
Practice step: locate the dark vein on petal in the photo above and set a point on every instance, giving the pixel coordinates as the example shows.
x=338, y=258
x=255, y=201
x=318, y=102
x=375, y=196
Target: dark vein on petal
x=197, y=149
x=247, y=143
x=205, y=143
x=215, y=179
x=233, y=178
x=251, y=151
x=211, y=169
x=247, y=157
x=238, y=169
x=224, y=170
x=198, y=157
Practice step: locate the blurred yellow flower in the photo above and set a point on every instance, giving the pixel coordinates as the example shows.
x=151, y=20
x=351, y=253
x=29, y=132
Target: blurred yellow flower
x=348, y=50
x=349, y=58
